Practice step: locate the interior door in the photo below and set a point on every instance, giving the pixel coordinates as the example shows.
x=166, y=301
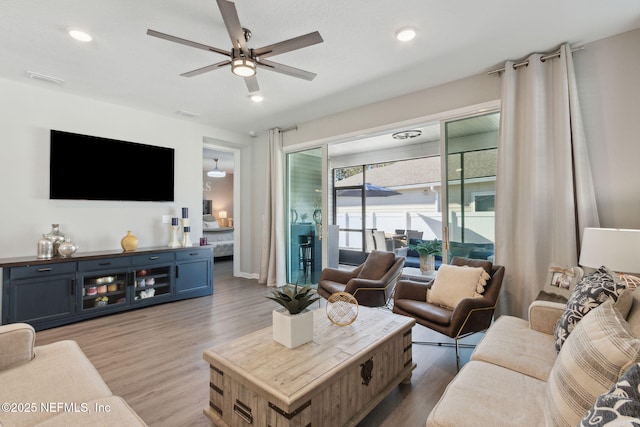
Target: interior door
x=304, y=172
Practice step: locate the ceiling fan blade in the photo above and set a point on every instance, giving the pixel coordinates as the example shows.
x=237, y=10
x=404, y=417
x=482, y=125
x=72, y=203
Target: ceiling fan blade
x=289, y=45
x=187, y=42
x=285, y=69
x=232, y=22
x=252, y=84
x=205, y=69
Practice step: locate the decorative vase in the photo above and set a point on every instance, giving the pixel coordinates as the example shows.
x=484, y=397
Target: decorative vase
x=67, y=248
x=292, y=330
x=129, y=242
x=45, y=248
x=427, y=263
x=56, y=237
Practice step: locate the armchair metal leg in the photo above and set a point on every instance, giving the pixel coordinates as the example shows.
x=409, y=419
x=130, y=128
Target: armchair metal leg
x=457, y=344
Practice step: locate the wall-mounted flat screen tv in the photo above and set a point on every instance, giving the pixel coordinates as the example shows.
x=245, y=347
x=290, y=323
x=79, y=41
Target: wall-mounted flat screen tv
x=87, y=167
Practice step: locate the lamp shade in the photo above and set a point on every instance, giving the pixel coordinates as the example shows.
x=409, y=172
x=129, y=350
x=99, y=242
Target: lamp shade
x=615, y=248
x=222, y=214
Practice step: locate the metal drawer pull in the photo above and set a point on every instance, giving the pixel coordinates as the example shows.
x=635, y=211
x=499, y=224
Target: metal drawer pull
x=154, y=258
x=243, y=411
x=44, y=270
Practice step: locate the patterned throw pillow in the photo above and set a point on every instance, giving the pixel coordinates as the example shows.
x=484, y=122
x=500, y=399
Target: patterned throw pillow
x=620, y=405
x=599, y=350
x=591, y=291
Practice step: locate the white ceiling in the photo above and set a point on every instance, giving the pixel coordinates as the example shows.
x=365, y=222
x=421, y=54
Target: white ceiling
x=359, y=62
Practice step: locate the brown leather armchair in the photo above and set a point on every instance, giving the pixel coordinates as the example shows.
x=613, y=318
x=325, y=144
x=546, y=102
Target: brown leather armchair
x=371, y=283
x=470, y=316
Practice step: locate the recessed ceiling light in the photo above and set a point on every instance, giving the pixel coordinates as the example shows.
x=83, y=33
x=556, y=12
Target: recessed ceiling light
x=256, y=97
x=405, y=34
x=79, y=34
x=407, y=134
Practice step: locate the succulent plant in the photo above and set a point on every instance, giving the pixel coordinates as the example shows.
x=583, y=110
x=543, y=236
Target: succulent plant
x=294, y=298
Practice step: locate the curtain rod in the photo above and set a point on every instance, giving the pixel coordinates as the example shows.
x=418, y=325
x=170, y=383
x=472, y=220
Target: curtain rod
x=294, y=127
x=542, y=58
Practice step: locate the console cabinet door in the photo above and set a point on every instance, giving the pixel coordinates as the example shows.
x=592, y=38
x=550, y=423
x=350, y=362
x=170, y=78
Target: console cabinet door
x=194, y=272
x=42, y=301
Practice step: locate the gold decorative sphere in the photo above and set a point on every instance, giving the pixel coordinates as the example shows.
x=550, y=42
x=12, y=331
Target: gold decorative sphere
x=342, y=308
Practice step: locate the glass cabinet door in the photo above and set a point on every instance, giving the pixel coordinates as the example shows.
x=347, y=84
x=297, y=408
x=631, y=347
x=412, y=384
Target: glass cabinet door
x=304, y=216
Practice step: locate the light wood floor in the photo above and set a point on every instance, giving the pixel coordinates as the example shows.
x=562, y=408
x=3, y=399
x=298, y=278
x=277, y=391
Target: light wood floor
x=152, y=357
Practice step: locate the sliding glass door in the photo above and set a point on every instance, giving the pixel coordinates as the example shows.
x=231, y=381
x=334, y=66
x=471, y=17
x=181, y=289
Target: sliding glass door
x=471, y=147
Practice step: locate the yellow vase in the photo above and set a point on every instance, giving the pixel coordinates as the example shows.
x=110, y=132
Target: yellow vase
x=129, y=242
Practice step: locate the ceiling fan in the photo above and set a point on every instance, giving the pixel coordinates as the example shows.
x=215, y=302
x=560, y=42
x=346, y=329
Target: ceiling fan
x=242, y=59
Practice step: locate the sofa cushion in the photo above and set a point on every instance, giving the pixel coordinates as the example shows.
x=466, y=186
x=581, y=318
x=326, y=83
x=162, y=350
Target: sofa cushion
x=592, y=290
x=483, y=394
x=618, y=406
x=598, y=351
x=512, y=344
x=59, y=372
x=454, y=283
x=376, y=265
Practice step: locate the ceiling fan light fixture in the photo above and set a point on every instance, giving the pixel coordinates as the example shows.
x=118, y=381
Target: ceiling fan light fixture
x=243, y=66
x=216, y=173
x=407, y=134
x=406, y=34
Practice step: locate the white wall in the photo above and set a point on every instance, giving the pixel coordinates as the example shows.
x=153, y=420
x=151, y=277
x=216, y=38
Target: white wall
x=28, y=113
x=609, y=87
x=462, y=93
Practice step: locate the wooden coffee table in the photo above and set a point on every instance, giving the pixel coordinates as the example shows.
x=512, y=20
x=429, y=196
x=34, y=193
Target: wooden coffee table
x=336, y=380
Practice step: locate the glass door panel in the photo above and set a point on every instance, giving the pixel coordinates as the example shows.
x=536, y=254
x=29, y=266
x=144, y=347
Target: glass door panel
x=304, y=208
x=471, y=147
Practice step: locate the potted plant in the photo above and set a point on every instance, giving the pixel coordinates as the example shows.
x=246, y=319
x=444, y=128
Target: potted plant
x=428, y=249
x=293, y=323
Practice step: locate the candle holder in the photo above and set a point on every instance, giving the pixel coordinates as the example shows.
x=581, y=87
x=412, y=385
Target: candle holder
x=186, y=237
x=174, y=243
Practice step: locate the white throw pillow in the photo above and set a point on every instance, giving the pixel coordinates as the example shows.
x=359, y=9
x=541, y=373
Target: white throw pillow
x=596, y=353
x=454, y=283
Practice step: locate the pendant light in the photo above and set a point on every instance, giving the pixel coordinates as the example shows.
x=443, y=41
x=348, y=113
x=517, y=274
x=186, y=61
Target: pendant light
x=216, y=173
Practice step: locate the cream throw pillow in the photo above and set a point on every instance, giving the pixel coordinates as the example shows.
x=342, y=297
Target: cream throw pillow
x=596, y=353
x=454, y=283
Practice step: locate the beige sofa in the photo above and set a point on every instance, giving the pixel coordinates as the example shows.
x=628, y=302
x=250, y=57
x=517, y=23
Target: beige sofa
x=54, y=385
x=506, y=382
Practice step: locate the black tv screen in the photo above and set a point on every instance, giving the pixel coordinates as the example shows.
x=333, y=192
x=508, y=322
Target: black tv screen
x=87, y=167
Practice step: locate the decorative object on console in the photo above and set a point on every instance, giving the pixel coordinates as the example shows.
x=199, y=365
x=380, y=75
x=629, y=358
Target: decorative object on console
x=56, y=236
x=614, y=247
x=67, y=248
x=293, y=324
x=342, y=308
x=45, y=248
x=186, y=237
x=174, y=242
x=129, y=242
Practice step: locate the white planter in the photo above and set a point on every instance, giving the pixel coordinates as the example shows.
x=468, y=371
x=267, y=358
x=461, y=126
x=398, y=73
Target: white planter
x=427, y=264
x=292, y=330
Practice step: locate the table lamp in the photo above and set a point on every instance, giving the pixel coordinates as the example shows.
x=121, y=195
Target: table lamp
x=615, y=248
x=222, y=215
